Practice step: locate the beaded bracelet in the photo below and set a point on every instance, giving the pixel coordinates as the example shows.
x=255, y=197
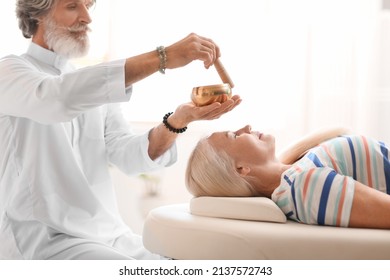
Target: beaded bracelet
x=169, y=127
x=162, y=55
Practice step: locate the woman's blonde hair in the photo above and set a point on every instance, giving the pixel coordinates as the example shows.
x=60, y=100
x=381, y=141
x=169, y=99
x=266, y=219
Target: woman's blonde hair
x=213, y=173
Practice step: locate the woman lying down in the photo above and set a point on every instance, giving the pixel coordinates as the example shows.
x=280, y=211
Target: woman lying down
x=327, y=178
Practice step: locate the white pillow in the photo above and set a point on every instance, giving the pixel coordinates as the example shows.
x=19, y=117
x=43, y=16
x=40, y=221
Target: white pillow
x=241, y=208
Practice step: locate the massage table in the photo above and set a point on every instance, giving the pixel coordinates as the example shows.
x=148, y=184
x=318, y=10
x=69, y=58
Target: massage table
x=252, y=228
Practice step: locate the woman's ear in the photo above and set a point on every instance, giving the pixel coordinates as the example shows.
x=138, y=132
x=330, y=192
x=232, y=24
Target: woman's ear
x=243, y=170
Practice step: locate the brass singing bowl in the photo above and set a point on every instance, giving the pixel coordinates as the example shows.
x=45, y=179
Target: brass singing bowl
x=206, y=95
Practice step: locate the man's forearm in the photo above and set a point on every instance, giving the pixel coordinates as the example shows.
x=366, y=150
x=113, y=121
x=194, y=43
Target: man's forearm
x=141, y=66
x=161, y=138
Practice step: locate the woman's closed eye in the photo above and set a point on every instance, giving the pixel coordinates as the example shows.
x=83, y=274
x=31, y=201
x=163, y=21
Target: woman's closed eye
x=232, y=135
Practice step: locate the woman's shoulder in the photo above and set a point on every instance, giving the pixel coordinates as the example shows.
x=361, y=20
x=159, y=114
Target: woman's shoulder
x=293, y=179
x=353, y=141
x=300, y=147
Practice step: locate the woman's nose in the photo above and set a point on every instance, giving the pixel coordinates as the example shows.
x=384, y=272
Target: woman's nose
x=245, y=129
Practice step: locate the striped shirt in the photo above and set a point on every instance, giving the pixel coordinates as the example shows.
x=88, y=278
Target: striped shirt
x=319, y=188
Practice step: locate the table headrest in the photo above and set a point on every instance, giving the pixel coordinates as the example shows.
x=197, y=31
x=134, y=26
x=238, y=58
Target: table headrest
x=242, y=208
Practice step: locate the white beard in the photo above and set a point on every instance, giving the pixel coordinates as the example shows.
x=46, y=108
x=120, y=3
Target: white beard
x=70, y=42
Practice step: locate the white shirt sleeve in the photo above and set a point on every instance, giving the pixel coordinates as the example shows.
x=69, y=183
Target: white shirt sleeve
x=49, y=98
x=129, y=151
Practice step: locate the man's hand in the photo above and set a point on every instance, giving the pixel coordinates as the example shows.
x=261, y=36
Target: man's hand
x=193, y=47
x=161, y=139
x=189, y=112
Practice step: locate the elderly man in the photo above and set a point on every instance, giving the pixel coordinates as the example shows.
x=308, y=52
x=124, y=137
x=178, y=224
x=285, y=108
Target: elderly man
x=60, y=128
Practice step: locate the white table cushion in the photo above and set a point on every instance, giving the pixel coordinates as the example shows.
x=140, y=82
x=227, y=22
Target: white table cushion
x=241, y=208
x=174, y=232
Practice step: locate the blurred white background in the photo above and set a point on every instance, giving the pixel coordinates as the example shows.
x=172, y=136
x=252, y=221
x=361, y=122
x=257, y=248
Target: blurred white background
x=298, y=65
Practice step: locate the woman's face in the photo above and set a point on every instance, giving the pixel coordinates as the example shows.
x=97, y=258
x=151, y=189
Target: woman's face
x=245, y=146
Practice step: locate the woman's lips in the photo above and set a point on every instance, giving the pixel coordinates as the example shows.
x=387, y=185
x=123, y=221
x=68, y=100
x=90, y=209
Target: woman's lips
x=258, y=134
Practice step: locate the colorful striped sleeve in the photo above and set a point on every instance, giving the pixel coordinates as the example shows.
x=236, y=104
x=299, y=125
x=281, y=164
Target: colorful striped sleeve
x=322, y=196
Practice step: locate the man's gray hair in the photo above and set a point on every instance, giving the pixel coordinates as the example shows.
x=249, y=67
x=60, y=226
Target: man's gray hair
x=28, y=13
